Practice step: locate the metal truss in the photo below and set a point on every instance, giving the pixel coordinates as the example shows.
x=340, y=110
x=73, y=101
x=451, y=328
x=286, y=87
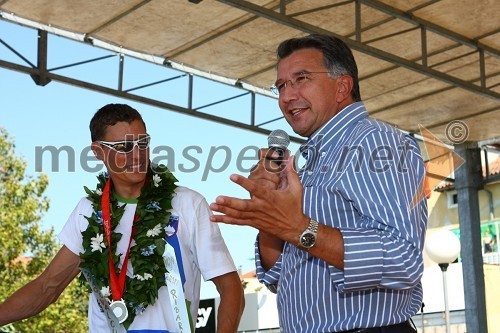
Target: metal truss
x=42, y=75
x=394, y=13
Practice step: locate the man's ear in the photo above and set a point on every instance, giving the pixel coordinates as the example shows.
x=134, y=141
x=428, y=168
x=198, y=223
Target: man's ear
x=344, y=88
x=97, y=150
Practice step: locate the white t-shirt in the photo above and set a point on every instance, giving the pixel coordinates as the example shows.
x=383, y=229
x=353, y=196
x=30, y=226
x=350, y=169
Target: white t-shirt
x=202, y=248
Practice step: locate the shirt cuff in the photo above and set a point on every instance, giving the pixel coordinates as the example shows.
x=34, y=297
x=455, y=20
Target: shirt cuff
x=270, y=277
x=363, y=261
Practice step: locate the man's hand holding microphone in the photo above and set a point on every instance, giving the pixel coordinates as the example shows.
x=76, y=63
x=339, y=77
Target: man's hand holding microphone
x=275, y=204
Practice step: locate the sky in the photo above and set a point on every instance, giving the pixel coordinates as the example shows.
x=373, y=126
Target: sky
x=57, y=115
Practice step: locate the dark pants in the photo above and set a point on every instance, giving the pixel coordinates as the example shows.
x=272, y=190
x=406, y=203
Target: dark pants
x=405, y=327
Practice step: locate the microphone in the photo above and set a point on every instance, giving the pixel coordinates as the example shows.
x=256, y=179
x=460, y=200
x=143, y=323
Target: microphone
x=278, y=140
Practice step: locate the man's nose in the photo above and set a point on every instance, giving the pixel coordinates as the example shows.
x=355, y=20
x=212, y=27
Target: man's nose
x=288, y=93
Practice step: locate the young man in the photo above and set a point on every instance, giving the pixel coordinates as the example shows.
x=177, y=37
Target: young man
x=116, y=236
x=341, y=241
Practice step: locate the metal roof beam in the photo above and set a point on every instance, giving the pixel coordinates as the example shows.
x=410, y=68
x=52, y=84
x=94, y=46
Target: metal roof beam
x=235, y=24
x=416, y=98
x=472, y=115
x=155, y=83
x=318, y=9
x=118, y=17
x=16, y=53
x=380, y=6
x=82, y=62
x=361, y=47
x=34, y=72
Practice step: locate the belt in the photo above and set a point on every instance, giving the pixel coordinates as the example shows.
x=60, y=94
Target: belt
x=396, y=328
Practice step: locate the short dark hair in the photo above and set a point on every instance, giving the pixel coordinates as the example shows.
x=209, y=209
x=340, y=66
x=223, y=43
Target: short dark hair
x=337, y=56
x=109, y=115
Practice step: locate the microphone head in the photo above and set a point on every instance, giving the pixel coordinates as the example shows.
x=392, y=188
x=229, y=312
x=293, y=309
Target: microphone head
x=278, y=139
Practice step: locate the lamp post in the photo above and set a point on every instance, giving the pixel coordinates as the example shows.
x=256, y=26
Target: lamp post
x=443, y=247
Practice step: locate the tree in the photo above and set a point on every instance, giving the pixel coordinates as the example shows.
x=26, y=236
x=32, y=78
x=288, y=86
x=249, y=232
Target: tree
x=26, y=248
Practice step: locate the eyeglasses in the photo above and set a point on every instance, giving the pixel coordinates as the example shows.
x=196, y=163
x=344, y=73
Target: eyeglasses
x=127, y=146
x=299, y=80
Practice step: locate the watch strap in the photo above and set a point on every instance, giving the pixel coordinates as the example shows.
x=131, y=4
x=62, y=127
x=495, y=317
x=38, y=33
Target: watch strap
x=313, y=226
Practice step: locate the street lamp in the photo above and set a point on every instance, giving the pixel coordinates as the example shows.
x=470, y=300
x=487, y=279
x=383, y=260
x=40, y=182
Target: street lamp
x=443, y=247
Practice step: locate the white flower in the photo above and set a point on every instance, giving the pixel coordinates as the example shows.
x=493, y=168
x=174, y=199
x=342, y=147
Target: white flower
x=97, y=243
x=155, y=231
x=98, y=191
x=105, y=291
x=146, y=276
x=156, y=180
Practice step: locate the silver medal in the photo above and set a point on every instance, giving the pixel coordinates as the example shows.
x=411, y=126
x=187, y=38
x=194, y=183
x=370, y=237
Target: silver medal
x=119, y=310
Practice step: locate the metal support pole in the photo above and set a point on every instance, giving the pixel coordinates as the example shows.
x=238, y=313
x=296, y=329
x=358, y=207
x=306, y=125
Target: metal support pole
x=357, y=20
x=444, y=268
x=252, y=110
x=423, y=38
x=282, y=7
x=468, y=180
x=120, y=73
x=422, y=317
x=41, y=78
x=190, y=92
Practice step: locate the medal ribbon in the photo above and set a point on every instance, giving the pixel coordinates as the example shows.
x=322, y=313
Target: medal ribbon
x=113, y=322
x=117, y=284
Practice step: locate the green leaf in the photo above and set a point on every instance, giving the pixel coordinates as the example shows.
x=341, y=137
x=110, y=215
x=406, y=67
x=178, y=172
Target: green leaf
x=160, y=246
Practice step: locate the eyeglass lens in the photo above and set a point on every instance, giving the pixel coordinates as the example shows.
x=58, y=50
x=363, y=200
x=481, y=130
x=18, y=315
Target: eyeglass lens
x=128, y=146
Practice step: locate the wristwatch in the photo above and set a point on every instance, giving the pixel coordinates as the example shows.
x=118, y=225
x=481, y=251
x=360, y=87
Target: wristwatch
x=308, y=238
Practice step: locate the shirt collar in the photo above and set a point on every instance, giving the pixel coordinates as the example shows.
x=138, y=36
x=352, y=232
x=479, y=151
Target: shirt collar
x=335, y=127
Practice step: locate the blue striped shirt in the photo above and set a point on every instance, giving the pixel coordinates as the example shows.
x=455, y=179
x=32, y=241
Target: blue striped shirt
x=361, y=176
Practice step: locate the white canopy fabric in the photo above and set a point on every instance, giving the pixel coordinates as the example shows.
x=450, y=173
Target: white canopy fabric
x=421, y=62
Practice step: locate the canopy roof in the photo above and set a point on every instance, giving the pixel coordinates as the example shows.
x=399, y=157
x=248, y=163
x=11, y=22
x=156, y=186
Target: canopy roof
x=421, y=62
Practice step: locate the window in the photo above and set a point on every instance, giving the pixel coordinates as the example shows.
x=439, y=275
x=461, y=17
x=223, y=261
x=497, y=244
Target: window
x=452, y=199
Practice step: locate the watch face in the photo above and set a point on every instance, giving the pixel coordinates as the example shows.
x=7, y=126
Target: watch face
x=307, y=239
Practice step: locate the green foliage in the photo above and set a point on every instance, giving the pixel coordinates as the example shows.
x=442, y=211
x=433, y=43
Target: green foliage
x=22, y=205
x=154, y=205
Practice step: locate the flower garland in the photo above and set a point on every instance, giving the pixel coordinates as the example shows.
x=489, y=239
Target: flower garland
x=146, y=255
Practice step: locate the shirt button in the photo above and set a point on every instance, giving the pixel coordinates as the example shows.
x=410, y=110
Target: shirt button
x=323, y=154
x=309, y=172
